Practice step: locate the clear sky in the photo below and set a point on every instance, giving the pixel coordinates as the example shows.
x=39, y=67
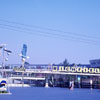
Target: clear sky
x=81, y=18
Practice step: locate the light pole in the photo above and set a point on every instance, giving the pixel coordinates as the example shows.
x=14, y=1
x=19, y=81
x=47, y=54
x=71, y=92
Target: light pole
x=2, y=46
x=3, y=62
x=4, y=58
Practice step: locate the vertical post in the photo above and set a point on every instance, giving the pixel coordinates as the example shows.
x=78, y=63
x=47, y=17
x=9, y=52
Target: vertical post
x=3, y=62
x=46, y=81
x=22, y=79
x=53, y=80
x=23, y=61
x=78, y=78
x=91, y=83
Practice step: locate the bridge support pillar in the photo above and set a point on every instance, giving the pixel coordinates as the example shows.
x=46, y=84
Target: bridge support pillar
x=46, y=85
x=53, y=80
x=79, y=81
x=46, y=82
x=91, y=83
x=22, y=79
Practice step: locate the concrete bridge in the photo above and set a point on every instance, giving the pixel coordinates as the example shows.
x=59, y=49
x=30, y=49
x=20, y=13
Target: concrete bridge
x=47, y=71
x=27, y=74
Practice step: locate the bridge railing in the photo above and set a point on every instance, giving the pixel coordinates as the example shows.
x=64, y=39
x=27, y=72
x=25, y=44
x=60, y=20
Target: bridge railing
x=38, y=70
x=25, y=75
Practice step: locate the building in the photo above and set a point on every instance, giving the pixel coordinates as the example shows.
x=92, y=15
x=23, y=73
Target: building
x=95, y=63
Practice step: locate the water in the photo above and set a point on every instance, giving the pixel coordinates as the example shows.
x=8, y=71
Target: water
x=41, y=93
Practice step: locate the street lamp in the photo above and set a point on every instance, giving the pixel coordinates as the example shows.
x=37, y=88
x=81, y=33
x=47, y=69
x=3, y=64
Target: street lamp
x=2, y=46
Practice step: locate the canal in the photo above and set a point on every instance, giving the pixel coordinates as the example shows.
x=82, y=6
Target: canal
x=41, y=93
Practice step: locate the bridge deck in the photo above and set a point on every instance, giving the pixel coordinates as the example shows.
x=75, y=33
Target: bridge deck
x=46, y=71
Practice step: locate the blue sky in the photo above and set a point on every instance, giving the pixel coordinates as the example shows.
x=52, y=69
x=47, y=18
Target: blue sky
x=74, y=16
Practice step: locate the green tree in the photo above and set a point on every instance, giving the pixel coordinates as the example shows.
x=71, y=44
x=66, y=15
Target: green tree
x=65, y=62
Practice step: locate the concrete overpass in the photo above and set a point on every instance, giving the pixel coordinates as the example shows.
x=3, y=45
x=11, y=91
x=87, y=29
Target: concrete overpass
x=46, y=71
